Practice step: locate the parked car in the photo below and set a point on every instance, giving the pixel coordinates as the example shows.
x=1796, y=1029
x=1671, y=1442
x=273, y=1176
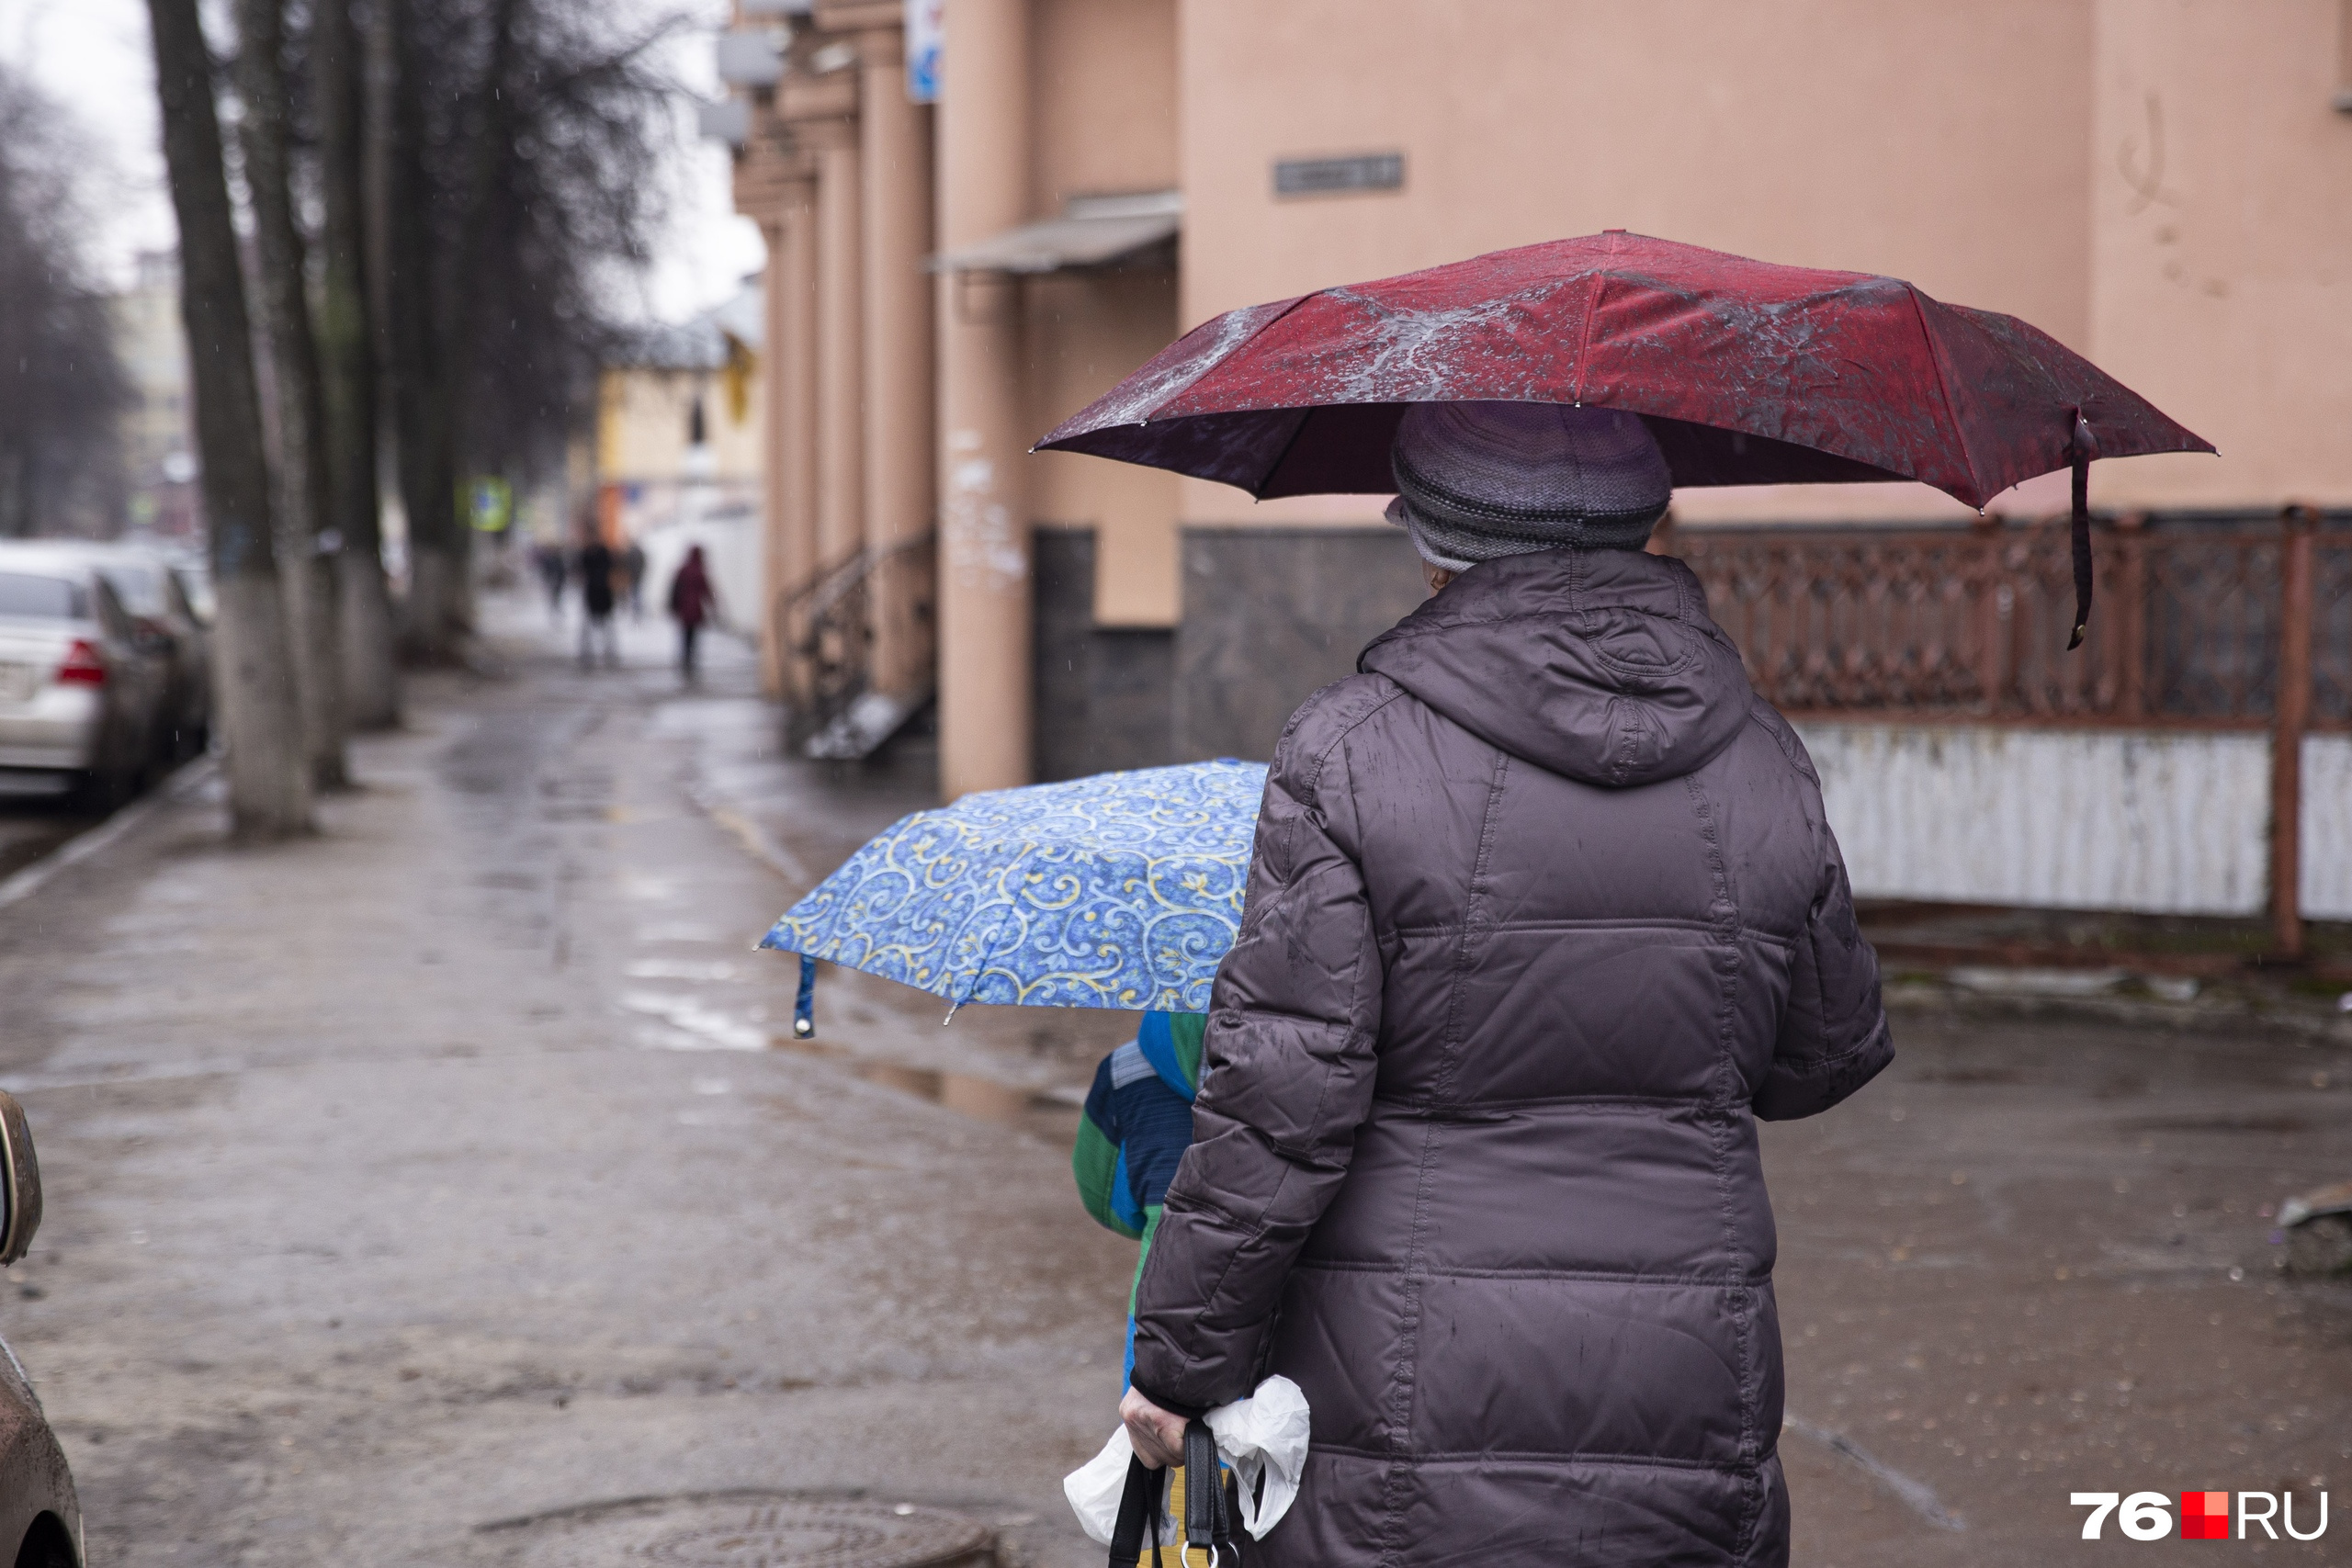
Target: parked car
x=81, y=685
x=143, y=579
x=39, y=1510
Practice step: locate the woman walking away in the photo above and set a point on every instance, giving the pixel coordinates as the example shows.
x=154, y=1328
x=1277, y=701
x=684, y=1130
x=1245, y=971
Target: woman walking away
x=1542, y=916
x=693, y=600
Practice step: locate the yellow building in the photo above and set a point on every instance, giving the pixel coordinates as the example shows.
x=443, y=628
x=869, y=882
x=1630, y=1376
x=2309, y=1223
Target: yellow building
x=2163, y=187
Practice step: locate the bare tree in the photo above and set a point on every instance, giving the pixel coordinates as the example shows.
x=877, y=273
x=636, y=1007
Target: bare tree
x=570, y=204
x=519, y=141
x=269, y=786
x=303, y=492
x=62, y=385
x=347, y=361
x=413, y=342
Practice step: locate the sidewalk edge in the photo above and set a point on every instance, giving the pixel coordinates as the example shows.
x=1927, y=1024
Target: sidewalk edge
x=176, y=787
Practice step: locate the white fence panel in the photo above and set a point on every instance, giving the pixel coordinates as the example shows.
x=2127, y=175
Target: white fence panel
x=2153, y=822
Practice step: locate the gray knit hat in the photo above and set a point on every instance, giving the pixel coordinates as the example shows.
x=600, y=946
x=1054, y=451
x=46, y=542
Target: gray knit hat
x=1481, y=479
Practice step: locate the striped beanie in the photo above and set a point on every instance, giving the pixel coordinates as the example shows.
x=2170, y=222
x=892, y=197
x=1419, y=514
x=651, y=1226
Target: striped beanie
x=1479, y=479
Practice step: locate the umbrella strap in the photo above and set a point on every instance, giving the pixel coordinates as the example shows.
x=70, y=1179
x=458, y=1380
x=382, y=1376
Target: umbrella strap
x=804, y=1006
x=2081, y=447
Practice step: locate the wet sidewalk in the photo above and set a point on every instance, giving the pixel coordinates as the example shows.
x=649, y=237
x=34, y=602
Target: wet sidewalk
x=448, y=1190
x=418, y=1192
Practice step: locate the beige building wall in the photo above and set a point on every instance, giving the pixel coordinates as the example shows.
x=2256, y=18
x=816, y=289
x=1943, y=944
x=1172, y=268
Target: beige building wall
x=1103, y=122
x=2222, y=222
x=1942, y=145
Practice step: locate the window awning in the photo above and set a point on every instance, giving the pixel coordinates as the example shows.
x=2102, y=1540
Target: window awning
x=1093, y=230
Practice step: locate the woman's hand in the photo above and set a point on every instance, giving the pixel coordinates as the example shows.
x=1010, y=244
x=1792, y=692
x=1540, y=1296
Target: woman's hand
x=1158, y=1434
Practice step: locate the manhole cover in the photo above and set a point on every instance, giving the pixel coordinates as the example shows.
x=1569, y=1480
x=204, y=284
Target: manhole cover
x=742, y=1531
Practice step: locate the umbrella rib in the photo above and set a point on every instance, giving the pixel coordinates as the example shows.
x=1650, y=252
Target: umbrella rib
x=1592, y=313
x=1258, y=490
x=1943, y=390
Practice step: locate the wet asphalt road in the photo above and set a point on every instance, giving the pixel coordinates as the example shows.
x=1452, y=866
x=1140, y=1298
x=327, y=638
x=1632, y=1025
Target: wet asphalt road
x=410, y=1186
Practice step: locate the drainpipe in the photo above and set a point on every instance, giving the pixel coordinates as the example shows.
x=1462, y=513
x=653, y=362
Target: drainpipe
x=792, y=352
x=895, y=154
x=841, y=358
x=984, y=587
x=2292, y=712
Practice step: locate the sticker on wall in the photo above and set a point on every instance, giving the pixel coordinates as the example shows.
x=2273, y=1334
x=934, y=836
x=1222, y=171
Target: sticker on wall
x=924, y=32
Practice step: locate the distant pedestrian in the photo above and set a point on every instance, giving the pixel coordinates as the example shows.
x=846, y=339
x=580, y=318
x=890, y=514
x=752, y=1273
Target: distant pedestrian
x=693, y=600
x=633, y=573
x=595, y=567
x=548, y=558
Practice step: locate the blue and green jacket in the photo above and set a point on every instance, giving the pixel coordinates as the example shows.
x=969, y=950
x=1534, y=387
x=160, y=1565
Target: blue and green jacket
x=1137, y=1126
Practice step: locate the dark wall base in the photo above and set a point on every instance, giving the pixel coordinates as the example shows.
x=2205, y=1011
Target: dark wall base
x=1104, y=695
x=1270, y=616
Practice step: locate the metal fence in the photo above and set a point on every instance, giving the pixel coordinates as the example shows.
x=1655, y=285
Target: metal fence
x=2195, y=627
x=2243, y=627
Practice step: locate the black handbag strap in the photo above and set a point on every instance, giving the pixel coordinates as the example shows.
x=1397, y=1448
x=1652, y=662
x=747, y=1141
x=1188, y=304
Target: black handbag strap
x=1138, y=1512
x=1211, y=1505
x=1208, y=1510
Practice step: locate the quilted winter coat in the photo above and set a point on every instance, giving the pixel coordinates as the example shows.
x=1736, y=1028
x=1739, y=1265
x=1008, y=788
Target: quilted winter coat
x=1543, y=916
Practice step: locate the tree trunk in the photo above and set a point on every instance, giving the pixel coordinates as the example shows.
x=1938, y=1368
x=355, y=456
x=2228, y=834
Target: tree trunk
x=492, y=131
x=347, y=364
x=270, y=787
x=421, y=416
x=312, y=541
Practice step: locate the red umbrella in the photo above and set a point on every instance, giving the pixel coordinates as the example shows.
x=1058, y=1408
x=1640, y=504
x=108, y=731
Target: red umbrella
x=1746, y=372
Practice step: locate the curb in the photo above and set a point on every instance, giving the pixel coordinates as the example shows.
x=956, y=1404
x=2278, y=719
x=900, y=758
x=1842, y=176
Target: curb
x=2214, y=1017
x=174, y=788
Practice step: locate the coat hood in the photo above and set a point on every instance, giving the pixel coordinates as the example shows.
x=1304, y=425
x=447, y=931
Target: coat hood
x=1602, y=665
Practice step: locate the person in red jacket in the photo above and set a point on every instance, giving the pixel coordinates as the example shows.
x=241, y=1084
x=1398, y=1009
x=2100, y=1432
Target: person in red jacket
x=693, y=600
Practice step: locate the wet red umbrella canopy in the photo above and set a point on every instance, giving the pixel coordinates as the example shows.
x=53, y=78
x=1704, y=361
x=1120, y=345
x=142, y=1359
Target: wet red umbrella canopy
x=1746, y=372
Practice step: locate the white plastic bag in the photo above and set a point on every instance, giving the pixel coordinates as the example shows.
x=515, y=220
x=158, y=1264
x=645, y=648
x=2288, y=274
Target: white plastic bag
x=1263, y=1438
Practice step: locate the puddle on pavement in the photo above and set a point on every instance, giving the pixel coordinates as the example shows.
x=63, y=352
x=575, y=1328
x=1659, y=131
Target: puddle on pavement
x=687, y=1025
x=1047, y=1113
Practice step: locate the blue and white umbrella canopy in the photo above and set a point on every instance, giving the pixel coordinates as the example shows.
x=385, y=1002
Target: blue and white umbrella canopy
x=1123, y=890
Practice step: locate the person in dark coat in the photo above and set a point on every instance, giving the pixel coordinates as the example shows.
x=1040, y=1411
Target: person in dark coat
x=693, y=600
x=633, y=573
x=1543, y=916
x=595, y=568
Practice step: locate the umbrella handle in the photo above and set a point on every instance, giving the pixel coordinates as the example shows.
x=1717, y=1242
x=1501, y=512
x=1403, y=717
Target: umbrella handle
x=804, y=1006
x=2081, y=447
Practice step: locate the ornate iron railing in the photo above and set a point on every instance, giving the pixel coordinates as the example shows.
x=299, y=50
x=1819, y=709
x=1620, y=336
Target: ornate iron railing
x=826, y=628
x=2190, y=629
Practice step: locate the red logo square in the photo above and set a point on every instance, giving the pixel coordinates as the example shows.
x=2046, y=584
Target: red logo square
x=2204, y=1515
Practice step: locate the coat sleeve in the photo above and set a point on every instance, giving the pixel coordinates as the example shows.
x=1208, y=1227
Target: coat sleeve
x=1287, y=1075
x=1833, y=1038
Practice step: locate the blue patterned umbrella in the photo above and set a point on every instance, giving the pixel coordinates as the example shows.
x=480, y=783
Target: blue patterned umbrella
x=1123, y=890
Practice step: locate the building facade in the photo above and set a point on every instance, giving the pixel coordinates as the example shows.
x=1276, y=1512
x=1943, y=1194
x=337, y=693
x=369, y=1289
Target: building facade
x=2162, y=186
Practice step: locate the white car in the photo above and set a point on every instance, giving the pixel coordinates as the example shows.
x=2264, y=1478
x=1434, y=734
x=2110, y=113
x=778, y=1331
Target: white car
x=81, y=686
x=169, y=625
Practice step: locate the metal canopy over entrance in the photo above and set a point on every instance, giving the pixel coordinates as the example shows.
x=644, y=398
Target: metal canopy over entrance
x=1093, y=230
